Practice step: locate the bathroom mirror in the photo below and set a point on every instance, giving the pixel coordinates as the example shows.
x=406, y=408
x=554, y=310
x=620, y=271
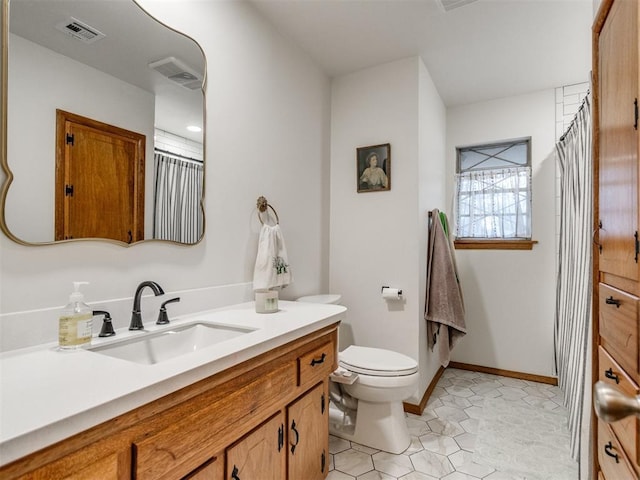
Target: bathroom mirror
x=73, y=73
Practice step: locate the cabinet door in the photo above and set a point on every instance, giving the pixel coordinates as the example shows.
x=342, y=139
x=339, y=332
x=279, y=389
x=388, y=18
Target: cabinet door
x=308, y=421
x=212, y=469
x=259, y=454
x=618, y=164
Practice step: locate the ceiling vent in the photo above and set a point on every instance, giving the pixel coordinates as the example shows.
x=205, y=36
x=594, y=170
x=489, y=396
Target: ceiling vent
x=448, y=5
x=178, y=72
x=80, y=31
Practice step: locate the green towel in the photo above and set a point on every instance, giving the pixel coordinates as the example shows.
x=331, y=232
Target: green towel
x=445, y=224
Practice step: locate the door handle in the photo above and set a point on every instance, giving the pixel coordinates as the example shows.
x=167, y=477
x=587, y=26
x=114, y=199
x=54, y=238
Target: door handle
x=608, y=448
x=613, y=301
x=234, y=474
x=293, y=428
x=609, y=374
x=612, y=405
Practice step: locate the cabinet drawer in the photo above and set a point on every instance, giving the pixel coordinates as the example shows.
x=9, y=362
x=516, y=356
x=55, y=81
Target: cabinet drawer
x=316, y=364
x=613, y=462
x=619, y=327
x=627, y=429
x=104, y=469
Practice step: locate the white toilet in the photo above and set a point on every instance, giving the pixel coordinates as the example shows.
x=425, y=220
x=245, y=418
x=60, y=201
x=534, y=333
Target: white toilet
x=369, y=411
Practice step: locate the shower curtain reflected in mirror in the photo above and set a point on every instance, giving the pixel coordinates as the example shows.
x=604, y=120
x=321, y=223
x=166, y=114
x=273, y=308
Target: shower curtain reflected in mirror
x=178, y=215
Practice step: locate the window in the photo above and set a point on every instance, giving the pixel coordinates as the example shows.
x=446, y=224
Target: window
x=493, y=194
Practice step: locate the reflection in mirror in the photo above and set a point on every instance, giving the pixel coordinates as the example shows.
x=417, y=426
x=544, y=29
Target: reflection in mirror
x=99, y=99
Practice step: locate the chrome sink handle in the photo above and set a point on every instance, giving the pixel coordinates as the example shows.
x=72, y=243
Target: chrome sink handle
x=612, y=405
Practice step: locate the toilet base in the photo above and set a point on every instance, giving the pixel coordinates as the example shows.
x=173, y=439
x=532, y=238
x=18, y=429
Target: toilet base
x=378, y=425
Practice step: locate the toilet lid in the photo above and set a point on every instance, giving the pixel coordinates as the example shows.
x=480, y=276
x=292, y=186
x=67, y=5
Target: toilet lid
x=376, y=362
x=327, y=298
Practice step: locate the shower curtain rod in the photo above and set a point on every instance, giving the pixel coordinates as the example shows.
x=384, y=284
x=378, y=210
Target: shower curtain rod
x=177, y=155
x=573, y=121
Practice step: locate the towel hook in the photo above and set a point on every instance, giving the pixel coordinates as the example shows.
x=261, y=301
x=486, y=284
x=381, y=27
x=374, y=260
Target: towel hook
x=262, y=206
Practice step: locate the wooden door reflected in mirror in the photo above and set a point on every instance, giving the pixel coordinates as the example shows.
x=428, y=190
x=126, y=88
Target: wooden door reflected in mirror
x=99, y=180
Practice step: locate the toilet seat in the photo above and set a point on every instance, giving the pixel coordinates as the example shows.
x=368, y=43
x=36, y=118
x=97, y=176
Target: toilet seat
x=376, y=362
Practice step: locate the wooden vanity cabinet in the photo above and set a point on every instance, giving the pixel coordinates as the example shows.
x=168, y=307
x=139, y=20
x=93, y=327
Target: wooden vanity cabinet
x=616, y=353
x=266, y=418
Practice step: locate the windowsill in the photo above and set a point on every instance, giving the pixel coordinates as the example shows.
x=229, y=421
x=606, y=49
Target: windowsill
x=479, y=244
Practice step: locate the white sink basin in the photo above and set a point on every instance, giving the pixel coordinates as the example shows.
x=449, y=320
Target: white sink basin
x=158, y=347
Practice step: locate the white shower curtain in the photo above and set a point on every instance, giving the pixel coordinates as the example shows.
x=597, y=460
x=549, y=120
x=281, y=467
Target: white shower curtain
x=573, y=297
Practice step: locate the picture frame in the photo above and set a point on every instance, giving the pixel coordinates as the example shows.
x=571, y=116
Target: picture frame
x=373, y=168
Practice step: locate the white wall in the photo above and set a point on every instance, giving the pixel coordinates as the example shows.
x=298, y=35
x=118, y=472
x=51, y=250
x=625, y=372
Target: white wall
x=378, y=238
x=266, y=134
x=73, y=87
x=510, y=295
x=431, y=194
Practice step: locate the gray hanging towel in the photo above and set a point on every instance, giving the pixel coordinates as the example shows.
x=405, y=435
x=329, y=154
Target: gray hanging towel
x=444, y=306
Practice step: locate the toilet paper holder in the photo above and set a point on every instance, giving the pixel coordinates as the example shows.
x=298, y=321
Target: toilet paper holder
x=386, y=287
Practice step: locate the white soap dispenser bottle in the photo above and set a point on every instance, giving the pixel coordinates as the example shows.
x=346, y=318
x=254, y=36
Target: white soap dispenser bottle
x=76, y=321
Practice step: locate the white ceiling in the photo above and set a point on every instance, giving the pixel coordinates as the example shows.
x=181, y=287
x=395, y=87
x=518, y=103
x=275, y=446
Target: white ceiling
x=485, y=49
x=482, y=50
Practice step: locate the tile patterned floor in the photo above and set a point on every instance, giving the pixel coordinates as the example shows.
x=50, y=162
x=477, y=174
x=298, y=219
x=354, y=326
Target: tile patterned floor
x=444, y=436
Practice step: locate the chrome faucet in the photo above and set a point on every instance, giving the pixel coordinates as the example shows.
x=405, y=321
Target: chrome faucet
x=136, y=316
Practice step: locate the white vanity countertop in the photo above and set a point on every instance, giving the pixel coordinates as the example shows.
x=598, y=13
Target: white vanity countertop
x=47, y=395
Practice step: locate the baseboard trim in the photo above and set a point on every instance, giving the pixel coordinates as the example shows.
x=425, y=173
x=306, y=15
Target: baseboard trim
x=418, y=409
x=505, y=373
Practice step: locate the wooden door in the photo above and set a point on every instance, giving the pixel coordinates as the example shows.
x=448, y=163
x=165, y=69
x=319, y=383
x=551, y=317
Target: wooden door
x=618, y=146
x=616, y=322
x=308, y=421
x=259, y=454
x=99, y=180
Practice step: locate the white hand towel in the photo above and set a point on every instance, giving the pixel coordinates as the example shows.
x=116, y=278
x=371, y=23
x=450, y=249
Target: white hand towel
x=272, y=266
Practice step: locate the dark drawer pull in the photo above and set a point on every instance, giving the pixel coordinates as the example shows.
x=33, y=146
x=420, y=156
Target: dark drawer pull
x=609, y=374
x=613, y=301
x=607, y=449
x=315, y=362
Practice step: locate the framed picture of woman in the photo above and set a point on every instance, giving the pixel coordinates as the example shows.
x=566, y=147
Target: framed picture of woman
x=373, y=166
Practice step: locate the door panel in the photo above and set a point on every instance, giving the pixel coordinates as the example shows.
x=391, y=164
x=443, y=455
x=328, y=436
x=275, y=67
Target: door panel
x=259, y=454
x=308, y=421
x=618, y=186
